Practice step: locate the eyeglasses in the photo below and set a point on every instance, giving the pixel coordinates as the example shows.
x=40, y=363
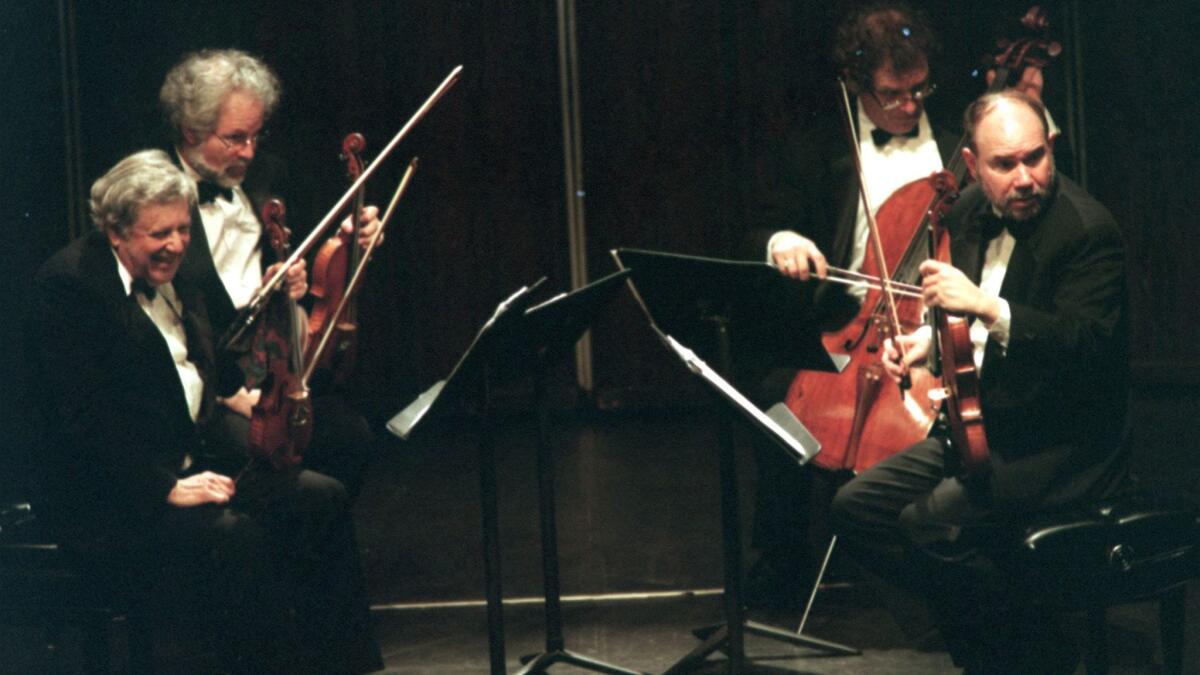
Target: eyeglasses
x=241, y=140
x=890, y=100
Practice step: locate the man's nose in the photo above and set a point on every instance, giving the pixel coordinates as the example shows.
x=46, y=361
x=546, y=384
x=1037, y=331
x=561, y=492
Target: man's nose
x=1023, y=177
x=177, y=242
x=246, y=151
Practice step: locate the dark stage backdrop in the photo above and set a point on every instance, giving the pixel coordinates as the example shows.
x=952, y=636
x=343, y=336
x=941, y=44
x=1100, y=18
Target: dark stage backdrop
x=680, y=104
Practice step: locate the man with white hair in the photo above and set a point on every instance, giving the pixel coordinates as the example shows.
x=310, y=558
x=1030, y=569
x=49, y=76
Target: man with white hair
x=216, y=103
x=266, y=564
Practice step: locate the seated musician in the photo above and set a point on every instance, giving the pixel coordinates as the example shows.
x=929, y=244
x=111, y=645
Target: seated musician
x=266, y=565
x=1039, y=266
x=216, y=103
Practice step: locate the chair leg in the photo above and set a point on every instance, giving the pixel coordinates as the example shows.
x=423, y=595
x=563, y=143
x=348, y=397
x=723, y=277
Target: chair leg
x=1097, y=641
x=1172, y=608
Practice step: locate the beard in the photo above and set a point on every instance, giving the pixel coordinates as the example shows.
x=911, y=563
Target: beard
x=231, y=176
x=1021, y=205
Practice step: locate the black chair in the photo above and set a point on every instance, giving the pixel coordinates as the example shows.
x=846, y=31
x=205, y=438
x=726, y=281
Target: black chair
x=41, y=586
x=1130, y=549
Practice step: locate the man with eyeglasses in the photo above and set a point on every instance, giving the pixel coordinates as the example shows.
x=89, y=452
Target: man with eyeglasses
x=811, y=217
x=216, y=103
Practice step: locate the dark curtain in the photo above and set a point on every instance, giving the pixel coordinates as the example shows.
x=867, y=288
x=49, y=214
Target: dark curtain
x=681, y=104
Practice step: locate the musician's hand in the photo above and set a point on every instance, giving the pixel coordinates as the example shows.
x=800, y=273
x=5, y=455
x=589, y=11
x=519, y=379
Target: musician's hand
x=296, y=279
x=944, y=285
x=916, y=349
x=1031, y=83
x=242, y=402
x=203, y=488
x=369, y=223
x=797, y=256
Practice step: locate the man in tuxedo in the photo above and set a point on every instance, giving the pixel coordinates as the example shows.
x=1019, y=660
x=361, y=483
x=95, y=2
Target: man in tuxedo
x=216, y=103
x=812, y=216
x=1038, y=265
x=265, y=563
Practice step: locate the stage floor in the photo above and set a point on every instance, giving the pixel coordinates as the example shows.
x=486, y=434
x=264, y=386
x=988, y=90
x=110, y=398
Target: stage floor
x=640, y=555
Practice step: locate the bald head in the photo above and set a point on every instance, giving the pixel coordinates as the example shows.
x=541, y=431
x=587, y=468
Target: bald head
x=1009, y=153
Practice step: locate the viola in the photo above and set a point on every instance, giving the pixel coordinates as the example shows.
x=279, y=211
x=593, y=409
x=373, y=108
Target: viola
x=335, y=262
x=952, y=354
x=857, y=419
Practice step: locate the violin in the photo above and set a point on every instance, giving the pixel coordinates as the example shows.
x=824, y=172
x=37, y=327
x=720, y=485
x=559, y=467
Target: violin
x=336, y=261
x=858, y=421
x=249, y=314
x=281, y=422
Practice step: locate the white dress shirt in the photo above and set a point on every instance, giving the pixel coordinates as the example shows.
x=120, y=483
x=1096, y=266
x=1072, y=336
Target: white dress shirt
x=166, y=311
x=233, y=233
x=995, y=264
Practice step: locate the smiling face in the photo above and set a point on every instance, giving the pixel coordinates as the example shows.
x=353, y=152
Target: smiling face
x=153, y=246
x=224, y=155
x=887, y=85
x=1013, y=160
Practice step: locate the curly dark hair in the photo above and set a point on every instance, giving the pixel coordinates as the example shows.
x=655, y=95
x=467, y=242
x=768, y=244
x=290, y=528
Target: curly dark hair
x=881, y=32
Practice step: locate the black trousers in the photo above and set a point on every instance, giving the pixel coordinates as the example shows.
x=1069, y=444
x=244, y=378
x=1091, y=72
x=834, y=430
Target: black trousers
x=272, y=579
x=939, y=538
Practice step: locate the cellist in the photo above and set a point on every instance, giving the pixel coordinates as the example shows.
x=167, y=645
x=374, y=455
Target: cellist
x=216, y=103
x=1039, y=264
x=811, y=217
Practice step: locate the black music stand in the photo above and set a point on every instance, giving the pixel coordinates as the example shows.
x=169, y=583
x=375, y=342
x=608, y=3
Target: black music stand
x=560, y=321
x=703, y=297
x=468, y=383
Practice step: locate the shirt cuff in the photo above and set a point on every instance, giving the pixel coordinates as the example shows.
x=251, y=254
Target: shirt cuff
x=771, y=244
x=1000, y=328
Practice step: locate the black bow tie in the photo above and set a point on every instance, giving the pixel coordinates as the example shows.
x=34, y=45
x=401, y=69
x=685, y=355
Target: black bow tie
x=882, y=137
x=992, y=225
x=142, y=286
x=210, y=190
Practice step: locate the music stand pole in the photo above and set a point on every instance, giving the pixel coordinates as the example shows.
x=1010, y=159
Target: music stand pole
x=696, y=297
x=491, y=527
x=560, y=320
x=472, y=377
x=556, y=651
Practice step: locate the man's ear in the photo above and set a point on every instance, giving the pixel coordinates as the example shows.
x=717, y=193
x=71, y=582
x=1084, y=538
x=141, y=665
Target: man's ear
x=113, y=237
x=850, y=80
x=189, y=138
x=972, y=163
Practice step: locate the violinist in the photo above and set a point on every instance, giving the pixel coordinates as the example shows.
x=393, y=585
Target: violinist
x=811, y=217
x=124, y=350
x=217, y=103
x=1039, y=265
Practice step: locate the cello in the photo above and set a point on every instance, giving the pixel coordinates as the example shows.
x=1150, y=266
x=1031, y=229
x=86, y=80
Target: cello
x=857, y=419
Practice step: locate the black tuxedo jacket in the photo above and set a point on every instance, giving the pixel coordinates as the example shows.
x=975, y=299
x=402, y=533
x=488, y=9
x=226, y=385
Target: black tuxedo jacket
x=814, y=191
x=1054, y=402
x=117, y=416
x=265, y=174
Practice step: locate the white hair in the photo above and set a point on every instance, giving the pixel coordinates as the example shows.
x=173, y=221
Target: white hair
x=146, y=177
x=194, y=90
